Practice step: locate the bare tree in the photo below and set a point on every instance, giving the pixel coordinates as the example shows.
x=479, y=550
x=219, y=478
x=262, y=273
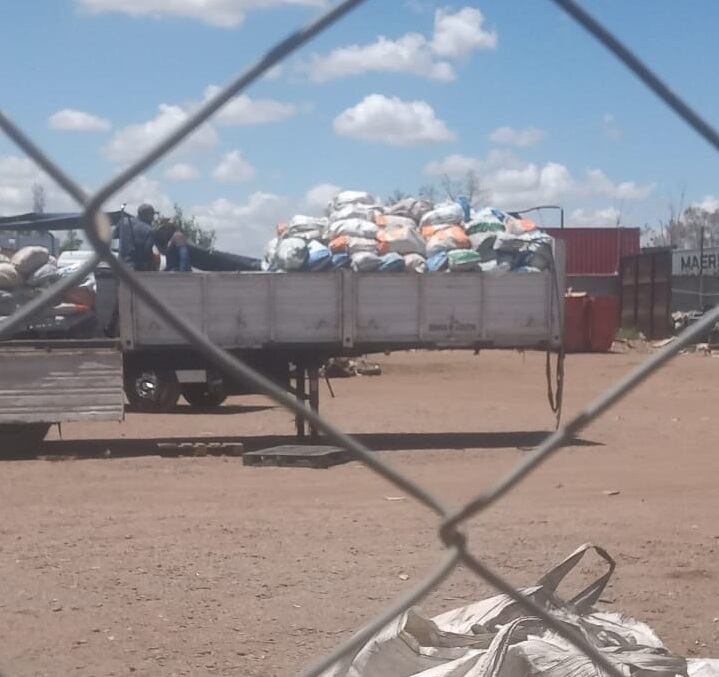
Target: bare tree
x=618, y=217
x=470, y=187
x=396, y=195
x=38, y=198
x=683, y=228
x=428, y=191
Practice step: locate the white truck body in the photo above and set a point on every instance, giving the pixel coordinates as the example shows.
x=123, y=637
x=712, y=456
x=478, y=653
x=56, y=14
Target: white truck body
x=342, y=312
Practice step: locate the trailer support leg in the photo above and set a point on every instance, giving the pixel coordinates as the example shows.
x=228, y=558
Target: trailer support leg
x=313, y=374
x=301, y=395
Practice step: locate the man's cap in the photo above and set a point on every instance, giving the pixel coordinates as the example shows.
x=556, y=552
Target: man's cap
x=146, y=208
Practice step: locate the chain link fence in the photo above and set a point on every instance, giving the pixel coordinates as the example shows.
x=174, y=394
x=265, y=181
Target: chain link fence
x=449, y=520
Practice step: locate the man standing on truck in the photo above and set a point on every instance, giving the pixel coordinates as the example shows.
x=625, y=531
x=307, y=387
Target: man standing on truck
x=136, y=238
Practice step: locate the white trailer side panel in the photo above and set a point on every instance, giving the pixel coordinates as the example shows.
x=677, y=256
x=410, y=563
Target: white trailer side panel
x=519, y=307
x=181, y=293
x=344, y=310
x=239, y=309
x=453, y=309
x=307, y=308
x=387, y=307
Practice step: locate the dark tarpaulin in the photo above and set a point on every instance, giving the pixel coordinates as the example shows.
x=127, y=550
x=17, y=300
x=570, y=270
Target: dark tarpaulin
x=61, y=221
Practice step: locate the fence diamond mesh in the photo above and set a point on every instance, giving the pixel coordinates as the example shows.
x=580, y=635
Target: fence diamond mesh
x=449, y=519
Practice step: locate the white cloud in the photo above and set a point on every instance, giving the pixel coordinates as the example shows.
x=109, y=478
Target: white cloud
x=512, y=183
x=531, y=184
x=317, y=198
x=242, y=110
x=247, y=227
x=234, y=167
x=142, y=189
x=131, y=142
x=601, y=184
x=456, y=35
x=244, y=228
x=418, y=6
x=72, y=120
x=393, y=121
x=17, y=175
x=594, y=217
x=221, y=13
x=182, y=172
x=610, y=128
x=409, y=54
x=453, y=166
x=709, y=204
x=275, y=73
x=520, y=138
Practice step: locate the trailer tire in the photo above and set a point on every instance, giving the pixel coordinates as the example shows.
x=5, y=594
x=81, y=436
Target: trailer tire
x=152, y=390
x=199, y=396
x=22, y=438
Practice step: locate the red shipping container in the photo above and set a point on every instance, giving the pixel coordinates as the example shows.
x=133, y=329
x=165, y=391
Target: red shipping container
x=603, y=323
x=596, y=251
x=590, y=323
x=576, y=323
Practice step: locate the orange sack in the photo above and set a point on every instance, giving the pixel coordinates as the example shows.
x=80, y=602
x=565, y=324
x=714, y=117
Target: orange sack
x=429, y=231
x=382, y=246
x=448, y=239
x=340, y=244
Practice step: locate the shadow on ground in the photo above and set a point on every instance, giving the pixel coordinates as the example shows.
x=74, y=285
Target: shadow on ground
x=128, y=448
x=224, y=410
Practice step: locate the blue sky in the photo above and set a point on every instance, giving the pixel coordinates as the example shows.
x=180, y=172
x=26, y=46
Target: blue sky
x=514, y=91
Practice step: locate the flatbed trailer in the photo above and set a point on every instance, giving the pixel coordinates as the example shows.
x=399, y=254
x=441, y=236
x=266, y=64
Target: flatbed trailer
x=288, y=324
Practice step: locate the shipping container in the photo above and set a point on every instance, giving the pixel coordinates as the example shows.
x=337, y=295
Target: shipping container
x=596, y=251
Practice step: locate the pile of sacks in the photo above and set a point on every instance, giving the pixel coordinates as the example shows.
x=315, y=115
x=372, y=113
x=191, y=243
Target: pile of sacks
x=30, y=271
x=410, y=235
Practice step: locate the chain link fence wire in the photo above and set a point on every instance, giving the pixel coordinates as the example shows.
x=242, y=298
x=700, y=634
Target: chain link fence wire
x=450, y=520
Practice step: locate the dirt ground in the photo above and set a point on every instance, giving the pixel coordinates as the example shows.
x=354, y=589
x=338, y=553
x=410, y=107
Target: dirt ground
x=121, y=562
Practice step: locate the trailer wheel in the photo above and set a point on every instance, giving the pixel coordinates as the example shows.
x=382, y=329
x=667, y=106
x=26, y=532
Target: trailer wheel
x=22, y=439
x=199, y=396
x=152, y=390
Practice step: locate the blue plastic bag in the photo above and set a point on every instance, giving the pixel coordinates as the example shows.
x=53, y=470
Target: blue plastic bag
x=437, y=262
x=319, y=257
x=391, y=263
x=463, y=202
x=339, y=261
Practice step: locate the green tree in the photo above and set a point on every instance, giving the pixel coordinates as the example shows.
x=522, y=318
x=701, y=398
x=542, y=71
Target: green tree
x=202, y=237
